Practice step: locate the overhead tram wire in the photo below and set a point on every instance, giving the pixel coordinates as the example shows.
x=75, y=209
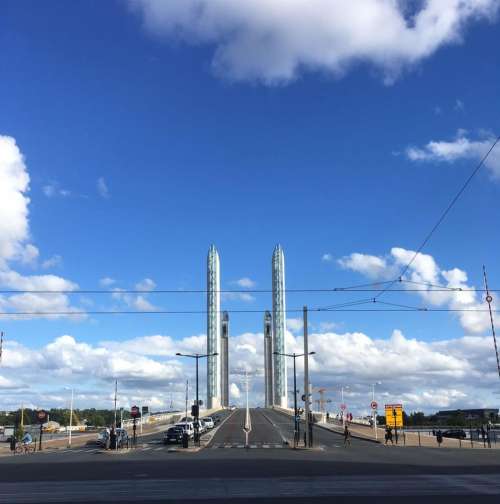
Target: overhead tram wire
x=442, y=217
x=398, y=308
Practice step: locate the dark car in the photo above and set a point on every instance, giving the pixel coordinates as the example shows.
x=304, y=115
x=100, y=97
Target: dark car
x=173, y=435
x=455, y=433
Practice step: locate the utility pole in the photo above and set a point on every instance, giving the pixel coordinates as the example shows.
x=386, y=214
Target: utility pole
x=308, y=440
x=489, y=300
x=1, y=345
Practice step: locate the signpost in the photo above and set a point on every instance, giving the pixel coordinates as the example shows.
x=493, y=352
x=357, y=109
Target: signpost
x=41, y=416
x=134, y=413
x=394, y=417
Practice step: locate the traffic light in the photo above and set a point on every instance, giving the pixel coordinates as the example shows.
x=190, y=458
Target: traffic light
x=195, y=409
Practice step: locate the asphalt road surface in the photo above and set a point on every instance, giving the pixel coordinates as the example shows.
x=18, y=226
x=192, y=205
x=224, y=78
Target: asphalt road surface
x=266, y=471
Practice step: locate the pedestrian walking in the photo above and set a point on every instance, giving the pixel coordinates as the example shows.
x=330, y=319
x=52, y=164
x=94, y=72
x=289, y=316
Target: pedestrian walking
x=388, y=435
x=112, y=439
x=347, y=436
x=439, y=437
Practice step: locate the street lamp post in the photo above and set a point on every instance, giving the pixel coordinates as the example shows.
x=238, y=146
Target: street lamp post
x=296, y=419
x=70, y=417
x=342, y=402
x=197, y=410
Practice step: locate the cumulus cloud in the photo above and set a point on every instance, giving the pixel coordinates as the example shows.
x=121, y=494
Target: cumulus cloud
x=451, y=373
x=425, y=272
x=294, y=324
x=145, y=285
x=52, y=262
x=272, y=40
x=238, y=296
x=461, y=147
x=327, y=257
x=245, y=282
x=14, y=240
x=234, y=391
x=106, y=282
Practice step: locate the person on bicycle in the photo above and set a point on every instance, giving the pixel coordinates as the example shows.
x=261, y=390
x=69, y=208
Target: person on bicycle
x=27, y=440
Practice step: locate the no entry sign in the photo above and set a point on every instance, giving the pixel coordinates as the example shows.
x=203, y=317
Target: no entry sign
x=343, y=407
x=373, y=405
x=41, y=416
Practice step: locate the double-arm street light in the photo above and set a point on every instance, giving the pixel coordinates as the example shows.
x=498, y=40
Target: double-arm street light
x=70, y=416
x=296, y=419
x=197, y=410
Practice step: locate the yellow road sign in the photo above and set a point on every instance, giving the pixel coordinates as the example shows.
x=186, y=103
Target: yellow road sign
x=394, y=415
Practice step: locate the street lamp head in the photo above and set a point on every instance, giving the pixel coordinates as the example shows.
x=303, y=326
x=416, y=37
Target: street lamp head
x=276, y=353
x=312, y=353
x=178, y=353
x=215, y=353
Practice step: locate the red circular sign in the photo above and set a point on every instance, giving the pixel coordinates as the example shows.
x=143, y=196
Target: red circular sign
x=41, y=415
x=134, y=411
x=374, y=405
x=343, y=407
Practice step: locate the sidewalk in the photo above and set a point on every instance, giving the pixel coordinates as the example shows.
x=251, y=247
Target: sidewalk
x=405, y=438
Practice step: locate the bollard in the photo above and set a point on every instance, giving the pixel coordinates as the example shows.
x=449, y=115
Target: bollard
x=419, y=443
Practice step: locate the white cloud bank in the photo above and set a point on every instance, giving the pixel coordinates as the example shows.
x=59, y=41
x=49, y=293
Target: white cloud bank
x=426, y=273
x=273, y=40
x=15, y=243
x=459, y=372
x=461, y=147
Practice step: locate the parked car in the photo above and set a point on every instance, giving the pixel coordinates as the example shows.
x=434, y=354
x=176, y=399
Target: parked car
x=121, y=438
x=188, y=427
x=455, y=433
x=173, y=435
x=202, y=426
x=186, y=419
x=209, y=422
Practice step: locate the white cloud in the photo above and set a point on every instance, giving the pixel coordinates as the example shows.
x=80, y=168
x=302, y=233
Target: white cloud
x=459, y=105
x=102, y=188
x=14, y=241
x=106, y=281
x=138, y=302
x=53, y=189
x=14, y=184
x=424, y=269
x=461, y=147
x=145, y=285
x=451, y=373
x=245, y=282
x=294, y=324
x=327, y=257
x=368, y=265
x=55, y=260
x=234, y=391
x=273, y=41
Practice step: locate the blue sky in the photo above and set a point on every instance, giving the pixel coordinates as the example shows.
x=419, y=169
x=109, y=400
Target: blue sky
x=190, y=153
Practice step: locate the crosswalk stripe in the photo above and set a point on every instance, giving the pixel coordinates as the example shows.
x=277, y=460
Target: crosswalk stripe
x=160, y=448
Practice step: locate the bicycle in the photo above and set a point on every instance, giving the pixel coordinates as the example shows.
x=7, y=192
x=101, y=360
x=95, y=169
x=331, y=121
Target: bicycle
x=24, y=449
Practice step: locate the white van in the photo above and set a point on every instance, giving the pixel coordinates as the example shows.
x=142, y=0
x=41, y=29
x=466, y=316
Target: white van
x=188, y=427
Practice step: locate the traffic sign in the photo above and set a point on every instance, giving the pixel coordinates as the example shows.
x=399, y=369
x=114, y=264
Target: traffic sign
x=41, y=416
x=134, y=411
x=374, y=405
x=394, y=415
x=489, y=299
x=343, y=407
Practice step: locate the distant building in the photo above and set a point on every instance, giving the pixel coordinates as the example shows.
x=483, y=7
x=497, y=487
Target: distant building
x=469, y=414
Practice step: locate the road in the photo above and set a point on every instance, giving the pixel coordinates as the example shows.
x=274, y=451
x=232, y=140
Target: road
x=268, y=471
